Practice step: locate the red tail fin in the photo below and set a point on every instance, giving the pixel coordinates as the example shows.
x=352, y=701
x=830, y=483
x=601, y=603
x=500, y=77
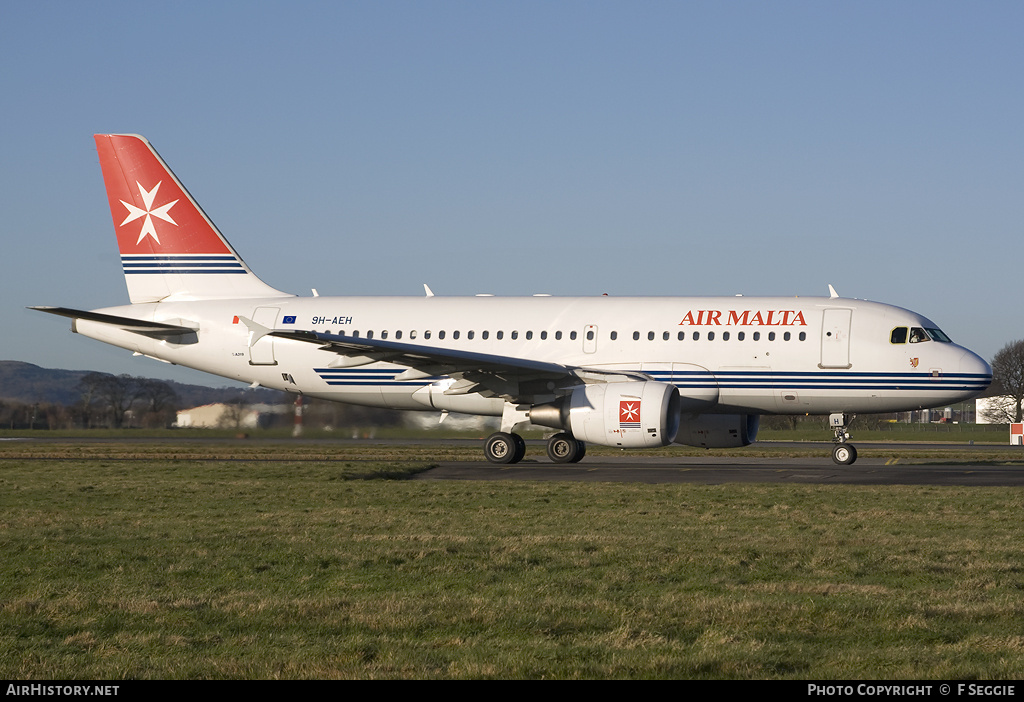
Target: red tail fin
x=169, y=247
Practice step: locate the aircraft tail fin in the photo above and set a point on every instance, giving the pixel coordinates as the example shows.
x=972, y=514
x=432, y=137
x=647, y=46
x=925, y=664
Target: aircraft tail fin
x=170, y=250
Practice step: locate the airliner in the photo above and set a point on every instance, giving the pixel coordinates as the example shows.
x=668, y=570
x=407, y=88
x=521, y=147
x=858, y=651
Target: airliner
x=628, y=372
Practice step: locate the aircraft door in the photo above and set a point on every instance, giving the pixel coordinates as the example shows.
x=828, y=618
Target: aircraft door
x=590, y=338
x=261, y=350
x=835, y=338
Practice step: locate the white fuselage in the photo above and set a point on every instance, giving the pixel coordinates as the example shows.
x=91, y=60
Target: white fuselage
x=726, y=354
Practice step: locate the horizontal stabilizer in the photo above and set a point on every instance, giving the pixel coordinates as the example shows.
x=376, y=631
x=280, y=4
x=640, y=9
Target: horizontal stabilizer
x=160, y=330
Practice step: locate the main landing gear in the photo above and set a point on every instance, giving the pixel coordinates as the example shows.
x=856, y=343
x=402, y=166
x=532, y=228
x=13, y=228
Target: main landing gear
x=504, y=447
x=843, y=453
x=507, y=447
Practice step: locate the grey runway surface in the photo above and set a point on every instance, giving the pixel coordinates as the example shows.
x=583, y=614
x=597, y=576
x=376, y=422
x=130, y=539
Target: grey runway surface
x=890, y=464
x=710, y=469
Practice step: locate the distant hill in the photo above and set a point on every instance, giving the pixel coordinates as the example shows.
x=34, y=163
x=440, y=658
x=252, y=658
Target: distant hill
x=29, y=383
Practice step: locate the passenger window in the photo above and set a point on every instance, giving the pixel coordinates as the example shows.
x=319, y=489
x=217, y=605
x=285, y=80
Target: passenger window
x=711, y=336
x=898, y=336
x=455, y=335
x=650, y=336
x=398, y=335
x=725, y=336
x=787, y=336
x=771, y=336
x=558, y=336
x=440, y=334
x=529, y=335
x=757, y=336
x=543, y=335
x=590, y=335
x=484, y=335
x=696, y=336
x=682, y=336
x=614, y=336
x=803, y=336
x=740, y=336
x=470, y=334
x=636, y=336
x=384, y=334
x=515, y=335
x=426, y=334
x=572, y=336
x=500, y=335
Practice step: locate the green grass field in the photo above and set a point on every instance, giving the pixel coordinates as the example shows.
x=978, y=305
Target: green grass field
x=301, y=560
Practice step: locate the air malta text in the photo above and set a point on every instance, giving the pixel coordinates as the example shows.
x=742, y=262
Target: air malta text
x=745, y=318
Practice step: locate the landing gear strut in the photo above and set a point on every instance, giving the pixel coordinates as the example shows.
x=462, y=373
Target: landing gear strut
x=843, y=453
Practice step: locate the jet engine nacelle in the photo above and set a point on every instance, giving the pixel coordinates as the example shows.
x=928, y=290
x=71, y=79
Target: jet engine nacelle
x=718, y=430
x=635, y=414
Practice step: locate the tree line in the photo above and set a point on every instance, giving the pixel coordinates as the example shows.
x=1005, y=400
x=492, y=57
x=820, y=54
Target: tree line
x=1008, y=381
x=105, y=401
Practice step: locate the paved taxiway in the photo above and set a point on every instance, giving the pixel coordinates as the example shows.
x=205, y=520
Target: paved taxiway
x=890, y=464
x=635, y=467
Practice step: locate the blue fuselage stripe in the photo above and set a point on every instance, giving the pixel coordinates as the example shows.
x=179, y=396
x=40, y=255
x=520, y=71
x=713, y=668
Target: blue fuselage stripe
x=725, y=380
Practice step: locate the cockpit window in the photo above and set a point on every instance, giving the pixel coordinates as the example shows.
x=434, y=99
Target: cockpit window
x=917, y=335
x=898, y=336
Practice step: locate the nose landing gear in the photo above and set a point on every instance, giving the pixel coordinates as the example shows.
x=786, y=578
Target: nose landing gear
x=843, y=453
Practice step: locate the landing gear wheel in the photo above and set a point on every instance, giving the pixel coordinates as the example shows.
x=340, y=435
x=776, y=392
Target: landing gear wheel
x=520, y=448
x=844, y=454
x=582, y=452
x=563, y=448
x=502, y=447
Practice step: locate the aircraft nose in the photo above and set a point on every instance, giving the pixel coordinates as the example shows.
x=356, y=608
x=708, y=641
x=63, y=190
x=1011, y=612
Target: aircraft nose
x=974, y=365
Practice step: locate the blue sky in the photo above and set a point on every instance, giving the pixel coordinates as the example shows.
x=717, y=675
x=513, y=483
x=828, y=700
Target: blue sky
x=572, y=148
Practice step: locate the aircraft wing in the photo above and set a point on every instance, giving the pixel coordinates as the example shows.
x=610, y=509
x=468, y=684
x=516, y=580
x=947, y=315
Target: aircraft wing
x=515, y=379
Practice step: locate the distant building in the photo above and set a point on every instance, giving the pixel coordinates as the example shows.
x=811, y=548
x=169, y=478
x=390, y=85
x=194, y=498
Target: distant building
x=228, y=416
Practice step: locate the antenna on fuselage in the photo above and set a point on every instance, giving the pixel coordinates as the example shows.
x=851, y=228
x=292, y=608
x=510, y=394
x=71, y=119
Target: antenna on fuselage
x=832, y=292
